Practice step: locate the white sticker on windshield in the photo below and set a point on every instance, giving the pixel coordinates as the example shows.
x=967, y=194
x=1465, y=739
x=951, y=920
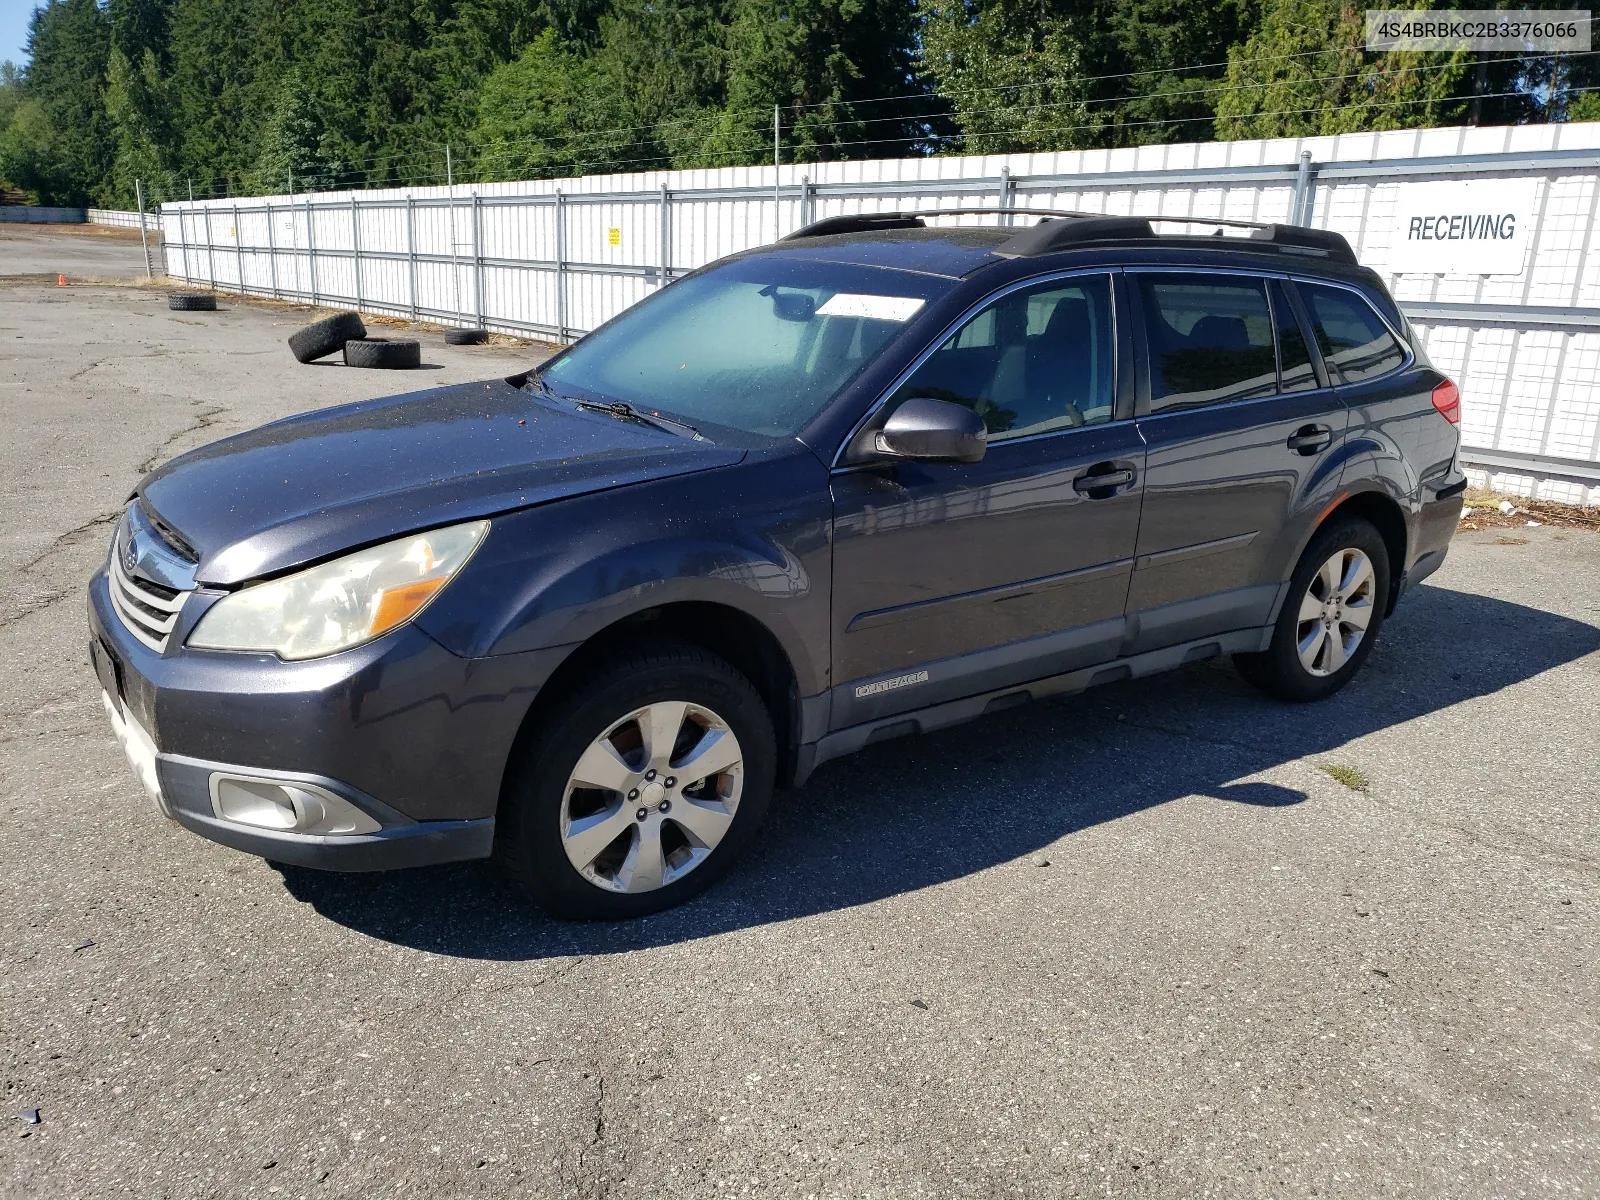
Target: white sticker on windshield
x=874, y=308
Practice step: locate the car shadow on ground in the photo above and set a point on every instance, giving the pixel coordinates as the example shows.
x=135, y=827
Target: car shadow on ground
x=908, y=814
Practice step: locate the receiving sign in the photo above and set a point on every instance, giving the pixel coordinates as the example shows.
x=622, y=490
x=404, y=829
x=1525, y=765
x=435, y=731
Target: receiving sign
x=1477, y=227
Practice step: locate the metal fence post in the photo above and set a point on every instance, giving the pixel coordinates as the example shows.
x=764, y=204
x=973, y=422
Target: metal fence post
x=355, y=244
x=311, y=254
x=666, y=236
x=411, y=251
x=211, y=256
x=144, y=242
x=561, y=266
x=477, y=256
x=1300, y=204
x=808, y=200
x=272, y=252
x=238, y=247
x=1008, y=193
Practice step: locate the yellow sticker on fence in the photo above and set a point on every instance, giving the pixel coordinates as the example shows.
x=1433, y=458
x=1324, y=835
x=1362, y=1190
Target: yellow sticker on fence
x=614, y=236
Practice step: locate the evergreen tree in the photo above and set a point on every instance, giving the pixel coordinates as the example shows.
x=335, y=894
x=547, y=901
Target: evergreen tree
x=1015, y=80
x=220, y=97
x=290, y=156
x=816, y=59
x=550, y=111
x=138, y=26
x=57, y=144
x=666, y=63
x=139, y=107
x=1305, y=72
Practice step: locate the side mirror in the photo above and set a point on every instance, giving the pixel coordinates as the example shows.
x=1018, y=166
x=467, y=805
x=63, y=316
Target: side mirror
x=926, y=428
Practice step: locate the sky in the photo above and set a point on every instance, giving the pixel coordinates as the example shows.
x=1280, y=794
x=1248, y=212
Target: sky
x=14, y=16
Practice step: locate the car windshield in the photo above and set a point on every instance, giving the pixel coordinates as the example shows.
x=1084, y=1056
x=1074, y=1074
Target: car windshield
x=759, y=345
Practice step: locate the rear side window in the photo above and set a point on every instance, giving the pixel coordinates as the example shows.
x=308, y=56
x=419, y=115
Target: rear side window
x=1294, y=356
x=1210, y=339
x=1355, y=342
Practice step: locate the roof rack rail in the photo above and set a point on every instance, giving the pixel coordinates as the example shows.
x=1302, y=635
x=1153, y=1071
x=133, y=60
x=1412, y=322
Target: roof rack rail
x=1049, y=236
x=868, y=222
x=856, y=223
x=1063, y=229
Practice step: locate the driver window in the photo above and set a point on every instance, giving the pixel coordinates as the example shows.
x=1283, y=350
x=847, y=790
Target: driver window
x=1036, y=360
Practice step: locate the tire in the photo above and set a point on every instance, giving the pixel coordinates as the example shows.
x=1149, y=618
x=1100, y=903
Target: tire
x=192, y=302
x=322, y=338
x=389, y=354
x=540, y=808
x=1299, y=665
x=465, y=337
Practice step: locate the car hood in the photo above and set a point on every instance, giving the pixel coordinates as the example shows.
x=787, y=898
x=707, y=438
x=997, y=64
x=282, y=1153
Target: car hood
x=317, y=484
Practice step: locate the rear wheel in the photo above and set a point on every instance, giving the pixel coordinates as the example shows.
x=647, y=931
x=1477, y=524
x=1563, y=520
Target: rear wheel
x=1330, y=618
x=642, y=789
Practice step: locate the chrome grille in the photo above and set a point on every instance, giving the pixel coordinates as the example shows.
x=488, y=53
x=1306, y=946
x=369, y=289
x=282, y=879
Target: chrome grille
x=149, y=610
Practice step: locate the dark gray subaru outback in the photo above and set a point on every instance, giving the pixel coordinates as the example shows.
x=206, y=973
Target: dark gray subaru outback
x=871, y=480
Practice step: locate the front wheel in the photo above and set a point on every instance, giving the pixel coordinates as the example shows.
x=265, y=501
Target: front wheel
x=642, y=789
x=1330, y=618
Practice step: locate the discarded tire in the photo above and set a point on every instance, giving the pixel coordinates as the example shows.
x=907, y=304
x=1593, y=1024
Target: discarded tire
x=192, y=302
x=384, y=353
x=323, y=338
x=465, y=337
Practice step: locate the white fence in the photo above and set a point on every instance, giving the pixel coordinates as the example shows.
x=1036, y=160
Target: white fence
x=553, y=258
x=122, y=220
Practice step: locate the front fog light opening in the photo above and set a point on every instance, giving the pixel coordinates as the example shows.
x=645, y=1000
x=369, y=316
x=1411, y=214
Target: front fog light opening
x=286, y=807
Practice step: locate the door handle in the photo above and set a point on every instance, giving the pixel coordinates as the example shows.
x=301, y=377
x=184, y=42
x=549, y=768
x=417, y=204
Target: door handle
x=1311, y=439
x=1103, y=481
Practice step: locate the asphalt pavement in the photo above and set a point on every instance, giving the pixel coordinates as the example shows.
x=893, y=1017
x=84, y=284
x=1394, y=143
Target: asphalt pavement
x=1168, y=938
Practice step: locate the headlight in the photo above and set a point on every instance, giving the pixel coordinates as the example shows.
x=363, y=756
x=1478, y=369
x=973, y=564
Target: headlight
x=340, y=603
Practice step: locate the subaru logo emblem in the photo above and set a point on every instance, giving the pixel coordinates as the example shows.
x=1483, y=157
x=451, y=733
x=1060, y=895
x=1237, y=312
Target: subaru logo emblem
x=130, y=556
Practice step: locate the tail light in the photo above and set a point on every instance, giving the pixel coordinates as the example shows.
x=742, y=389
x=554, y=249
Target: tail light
x=1447, y=399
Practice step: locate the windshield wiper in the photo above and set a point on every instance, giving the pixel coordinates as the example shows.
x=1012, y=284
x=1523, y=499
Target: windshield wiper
x=627, y=412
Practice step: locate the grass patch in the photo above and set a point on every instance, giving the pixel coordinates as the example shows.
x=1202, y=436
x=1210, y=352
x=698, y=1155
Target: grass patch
x=1349, y=776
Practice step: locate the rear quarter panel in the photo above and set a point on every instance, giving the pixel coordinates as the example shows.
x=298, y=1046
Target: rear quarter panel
x=1400, y=445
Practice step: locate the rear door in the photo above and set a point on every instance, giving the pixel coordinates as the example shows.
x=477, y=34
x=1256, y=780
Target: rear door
x=1242, y=436
x=957, y=578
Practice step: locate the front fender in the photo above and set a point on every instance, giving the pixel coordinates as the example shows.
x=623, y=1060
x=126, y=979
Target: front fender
x=753, y=537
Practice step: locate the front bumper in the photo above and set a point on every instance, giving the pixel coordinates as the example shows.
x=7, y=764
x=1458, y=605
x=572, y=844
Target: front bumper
x=411, y=735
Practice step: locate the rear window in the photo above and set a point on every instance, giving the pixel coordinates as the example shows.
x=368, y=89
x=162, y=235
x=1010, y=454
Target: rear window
x=1355, y=342
x=759, y=345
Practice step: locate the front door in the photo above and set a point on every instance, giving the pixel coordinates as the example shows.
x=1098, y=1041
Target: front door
x=1243, y=444
x=957, y=578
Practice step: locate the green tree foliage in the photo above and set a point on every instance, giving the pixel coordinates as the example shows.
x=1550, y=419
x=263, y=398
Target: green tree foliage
x=1304, y=72
x=551, y=110
x=139, y=108
x=1015, y=80
x=57, y=144
x=291, y=155
x=235, y=95
x=138, y=26
x=815, y=59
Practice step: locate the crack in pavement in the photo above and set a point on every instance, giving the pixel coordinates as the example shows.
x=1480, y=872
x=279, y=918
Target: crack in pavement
x=33, y=606
x=597, y=1135
x=461, y=993
x=60, y=541
x=206, y=419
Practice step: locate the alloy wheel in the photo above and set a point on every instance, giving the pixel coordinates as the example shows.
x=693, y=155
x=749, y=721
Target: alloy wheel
x=650, y=798
x=1336, y=611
